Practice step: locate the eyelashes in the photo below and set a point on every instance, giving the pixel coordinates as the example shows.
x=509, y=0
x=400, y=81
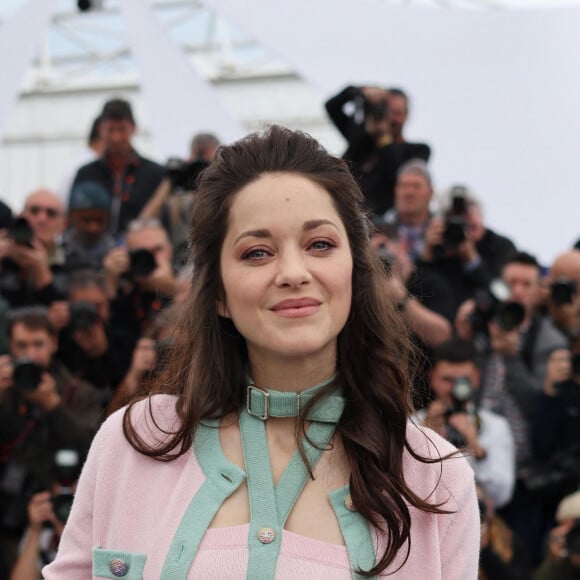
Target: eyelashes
x=318, y=246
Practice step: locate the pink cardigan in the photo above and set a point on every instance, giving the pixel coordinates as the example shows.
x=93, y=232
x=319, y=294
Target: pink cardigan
x=129, y=503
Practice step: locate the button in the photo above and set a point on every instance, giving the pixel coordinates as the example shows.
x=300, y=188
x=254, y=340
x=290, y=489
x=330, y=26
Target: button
x=266, y=535
x=348, y=504
x=118, y=567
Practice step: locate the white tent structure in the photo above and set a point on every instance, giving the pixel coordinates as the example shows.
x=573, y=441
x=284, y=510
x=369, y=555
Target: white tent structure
x=492, y=83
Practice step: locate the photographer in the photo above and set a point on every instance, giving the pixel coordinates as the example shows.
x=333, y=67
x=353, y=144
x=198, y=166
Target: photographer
x=564, y=298
x=140, y=279
x=149, y=355
x=455, y=415
x=47, y=515
x=89, y=346
x=539, y=337
x=42, y=408
x=556, y=428
x=172, y=199
x=31, y=257
x=87, y=240
x=373, y=153
x=129, y=179
x=416, y=298
x=563, y=559
x=453, y=247
x=502, y=556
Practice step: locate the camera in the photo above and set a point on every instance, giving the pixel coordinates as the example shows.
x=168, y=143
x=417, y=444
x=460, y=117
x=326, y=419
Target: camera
x=21, y=232
x=27, y=375
x=492, y=304
x=570, y=385
x=562, y=291
x=461, y=394
x=66, y=470
x=141, y=262
x=455, y=218
x=83, y=315
x=558, y=477
x=183, y=174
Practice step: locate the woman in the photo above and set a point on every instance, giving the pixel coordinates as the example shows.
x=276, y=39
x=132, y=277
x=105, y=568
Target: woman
x=240, y=467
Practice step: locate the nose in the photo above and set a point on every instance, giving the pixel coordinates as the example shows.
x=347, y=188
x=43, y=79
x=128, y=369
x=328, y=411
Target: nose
x=292, y=269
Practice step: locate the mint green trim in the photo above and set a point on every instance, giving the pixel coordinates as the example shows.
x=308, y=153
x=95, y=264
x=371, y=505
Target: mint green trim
x=296, y=474
x=222, y=479
x=262, y=558
x=264, y=403
x=269, y=506
x=356, y=532
x=102, y=560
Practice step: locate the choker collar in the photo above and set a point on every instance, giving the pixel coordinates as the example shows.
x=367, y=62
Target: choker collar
x=265, y=403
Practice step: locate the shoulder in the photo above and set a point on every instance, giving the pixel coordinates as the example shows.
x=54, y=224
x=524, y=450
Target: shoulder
x=549, y=337
x=153, y=419
x=151, y=165
x=89, y=170
x=445, y=476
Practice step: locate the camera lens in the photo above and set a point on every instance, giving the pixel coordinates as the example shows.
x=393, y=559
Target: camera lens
x=509, y=315
x=27, y=375
x=142, y=262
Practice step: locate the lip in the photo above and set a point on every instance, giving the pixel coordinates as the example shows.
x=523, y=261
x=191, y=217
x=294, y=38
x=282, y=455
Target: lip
x=296, y=307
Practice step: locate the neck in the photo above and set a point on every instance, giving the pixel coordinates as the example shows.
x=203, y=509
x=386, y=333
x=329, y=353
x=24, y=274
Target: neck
x=413, y=219
x=119, y=160
x=290, y=376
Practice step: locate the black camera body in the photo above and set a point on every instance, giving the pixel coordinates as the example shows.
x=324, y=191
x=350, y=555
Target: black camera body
x=562, y=291
x=462, y=393
x=492, y=304
x=66, y=470
x=183, y=174
x=141, y=263
x=456, y=218
x=83, y=315
x=27, y=375
x=21, y=232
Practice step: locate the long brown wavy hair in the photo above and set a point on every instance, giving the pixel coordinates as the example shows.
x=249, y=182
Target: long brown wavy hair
x=207, y=369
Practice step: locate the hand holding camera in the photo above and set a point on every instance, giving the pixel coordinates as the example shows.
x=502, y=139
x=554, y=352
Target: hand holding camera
x=433, y=238
x=40, y=512
x=559, y=370
x=45, y=395
x=6, y=371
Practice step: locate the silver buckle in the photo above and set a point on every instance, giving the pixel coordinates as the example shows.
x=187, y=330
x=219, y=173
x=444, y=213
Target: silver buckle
x=266, y=396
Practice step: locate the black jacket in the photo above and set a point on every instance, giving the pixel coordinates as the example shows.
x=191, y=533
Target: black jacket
x=141, y=179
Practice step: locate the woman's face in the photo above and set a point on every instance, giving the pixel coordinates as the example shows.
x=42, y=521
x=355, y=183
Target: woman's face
x=286, y=268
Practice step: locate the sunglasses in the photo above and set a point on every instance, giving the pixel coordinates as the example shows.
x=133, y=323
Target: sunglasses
x=51, y=212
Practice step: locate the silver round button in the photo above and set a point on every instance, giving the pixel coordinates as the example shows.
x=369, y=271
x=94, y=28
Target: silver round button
x=266, y=535
x=118, y=567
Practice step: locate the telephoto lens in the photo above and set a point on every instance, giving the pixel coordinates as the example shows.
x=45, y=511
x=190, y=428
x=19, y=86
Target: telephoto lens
x=27, y=375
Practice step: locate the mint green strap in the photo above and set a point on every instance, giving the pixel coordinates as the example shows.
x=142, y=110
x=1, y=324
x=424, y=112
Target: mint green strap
x=127, y=565
x=296, y=475
x=262, y=557
x=222, y=479
x=356, y=532
x=271, y=403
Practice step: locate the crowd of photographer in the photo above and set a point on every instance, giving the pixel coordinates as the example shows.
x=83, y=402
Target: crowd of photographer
x=91, y=282
x=501, y=335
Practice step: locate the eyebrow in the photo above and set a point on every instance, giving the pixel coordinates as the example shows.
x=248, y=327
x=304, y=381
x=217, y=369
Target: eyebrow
x=306, y=227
